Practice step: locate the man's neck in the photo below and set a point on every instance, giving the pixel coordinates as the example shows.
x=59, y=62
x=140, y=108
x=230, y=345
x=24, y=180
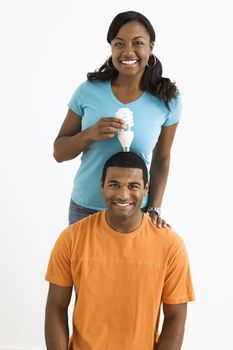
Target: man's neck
x=124, y=225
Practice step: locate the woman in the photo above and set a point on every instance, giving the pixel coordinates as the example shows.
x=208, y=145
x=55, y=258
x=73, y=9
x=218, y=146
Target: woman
x=130, y=78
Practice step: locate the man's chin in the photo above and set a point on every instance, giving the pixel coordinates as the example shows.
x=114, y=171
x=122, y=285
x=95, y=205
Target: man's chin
x=121, y=212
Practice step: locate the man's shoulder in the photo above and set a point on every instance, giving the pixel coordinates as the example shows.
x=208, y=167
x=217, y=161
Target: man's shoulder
x=165, y=234
x=89, y=221
x=76, y=232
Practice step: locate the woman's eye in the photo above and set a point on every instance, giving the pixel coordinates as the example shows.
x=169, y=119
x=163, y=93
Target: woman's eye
x=118, y=44
x=138, y=43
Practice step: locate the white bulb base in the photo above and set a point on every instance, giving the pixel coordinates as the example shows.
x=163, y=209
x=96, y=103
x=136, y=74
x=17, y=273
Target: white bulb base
x=126, y=149
x=125, y=138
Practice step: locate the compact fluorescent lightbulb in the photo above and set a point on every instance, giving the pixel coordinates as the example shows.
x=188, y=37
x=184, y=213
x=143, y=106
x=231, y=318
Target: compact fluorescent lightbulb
x=126, y=135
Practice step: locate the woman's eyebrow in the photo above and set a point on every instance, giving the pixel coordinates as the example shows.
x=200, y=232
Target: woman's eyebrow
x=136, y=37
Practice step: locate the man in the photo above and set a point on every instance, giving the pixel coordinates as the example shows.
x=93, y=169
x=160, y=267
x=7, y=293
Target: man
x=122, y=268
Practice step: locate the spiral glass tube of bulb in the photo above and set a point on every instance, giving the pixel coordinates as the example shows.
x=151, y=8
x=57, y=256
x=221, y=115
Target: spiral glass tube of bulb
x=125, y=135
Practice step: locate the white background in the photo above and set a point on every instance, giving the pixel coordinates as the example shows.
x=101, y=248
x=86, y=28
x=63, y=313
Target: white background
x=47, y=47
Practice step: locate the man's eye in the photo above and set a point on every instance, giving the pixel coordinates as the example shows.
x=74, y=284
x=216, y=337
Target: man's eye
x=113, y=185
x=133, y=187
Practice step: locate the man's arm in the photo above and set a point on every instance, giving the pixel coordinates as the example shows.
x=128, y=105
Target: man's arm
x=173, y=327
x=56, y=317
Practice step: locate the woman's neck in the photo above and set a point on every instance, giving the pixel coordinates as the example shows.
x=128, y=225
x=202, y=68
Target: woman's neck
x=126, y=90
x=126, y=82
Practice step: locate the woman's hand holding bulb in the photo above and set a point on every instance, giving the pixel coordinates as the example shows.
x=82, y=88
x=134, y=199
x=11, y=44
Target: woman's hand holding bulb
x=105, y=128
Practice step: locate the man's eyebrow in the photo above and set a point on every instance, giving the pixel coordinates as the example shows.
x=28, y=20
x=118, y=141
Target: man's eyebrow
x=130, y=183
x=134, y=183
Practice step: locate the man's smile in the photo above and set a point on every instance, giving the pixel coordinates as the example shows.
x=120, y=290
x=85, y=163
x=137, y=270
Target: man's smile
x=122, y=204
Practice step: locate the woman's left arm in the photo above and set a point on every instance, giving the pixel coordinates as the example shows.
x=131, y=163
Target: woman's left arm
x=159, y=171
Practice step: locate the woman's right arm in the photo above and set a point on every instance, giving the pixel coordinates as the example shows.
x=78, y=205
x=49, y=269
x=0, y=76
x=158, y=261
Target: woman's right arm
x=71, y=141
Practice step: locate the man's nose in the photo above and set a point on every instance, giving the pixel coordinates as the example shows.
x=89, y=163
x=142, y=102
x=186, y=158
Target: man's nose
x=123, y=193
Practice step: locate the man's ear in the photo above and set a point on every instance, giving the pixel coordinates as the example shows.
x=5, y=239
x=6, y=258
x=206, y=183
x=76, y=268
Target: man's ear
x=146, y=188
x=101, y=183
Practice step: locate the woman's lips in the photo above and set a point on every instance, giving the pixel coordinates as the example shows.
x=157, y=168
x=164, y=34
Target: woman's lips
x=129, y=62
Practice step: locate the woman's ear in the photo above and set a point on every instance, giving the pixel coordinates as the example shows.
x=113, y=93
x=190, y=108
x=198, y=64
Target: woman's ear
x=152, y=45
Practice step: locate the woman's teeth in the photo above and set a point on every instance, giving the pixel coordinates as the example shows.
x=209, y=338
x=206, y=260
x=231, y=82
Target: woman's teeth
x=129, y=61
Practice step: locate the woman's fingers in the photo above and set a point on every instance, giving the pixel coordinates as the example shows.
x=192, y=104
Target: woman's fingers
x=158, y=221
x=105, y=128
x=112, y=120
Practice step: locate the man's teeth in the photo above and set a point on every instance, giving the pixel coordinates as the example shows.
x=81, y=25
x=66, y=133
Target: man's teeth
x=122, y=204
x=129, y=61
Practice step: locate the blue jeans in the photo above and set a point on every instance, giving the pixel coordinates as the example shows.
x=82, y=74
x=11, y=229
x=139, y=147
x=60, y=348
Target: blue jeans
x=77, y=212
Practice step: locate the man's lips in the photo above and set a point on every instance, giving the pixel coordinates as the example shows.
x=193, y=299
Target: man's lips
x=122, y=205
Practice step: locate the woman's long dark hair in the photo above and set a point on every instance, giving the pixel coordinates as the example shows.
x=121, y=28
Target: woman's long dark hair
x=152, y=79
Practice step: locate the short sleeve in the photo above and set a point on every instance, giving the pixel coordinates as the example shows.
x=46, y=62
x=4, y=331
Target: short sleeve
x=76, y=102
x=174, y=115
x=59, y=266
x=178, y=286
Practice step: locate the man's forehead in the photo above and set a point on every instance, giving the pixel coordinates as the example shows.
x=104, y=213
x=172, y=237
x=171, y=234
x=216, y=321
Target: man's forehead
x=129, y=173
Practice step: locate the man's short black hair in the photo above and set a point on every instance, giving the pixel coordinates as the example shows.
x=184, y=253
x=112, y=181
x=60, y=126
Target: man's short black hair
x=126, y=160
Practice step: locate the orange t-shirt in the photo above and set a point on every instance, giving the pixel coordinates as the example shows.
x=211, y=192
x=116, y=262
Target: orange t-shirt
x=120, y=280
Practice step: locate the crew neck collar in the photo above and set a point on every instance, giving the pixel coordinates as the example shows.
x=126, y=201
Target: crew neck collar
x=122, y=235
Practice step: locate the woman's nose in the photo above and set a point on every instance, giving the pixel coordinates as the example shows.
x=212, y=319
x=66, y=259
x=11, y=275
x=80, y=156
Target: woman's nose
x=129, y=49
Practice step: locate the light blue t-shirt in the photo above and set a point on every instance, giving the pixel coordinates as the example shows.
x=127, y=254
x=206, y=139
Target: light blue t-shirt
x=95, y=100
